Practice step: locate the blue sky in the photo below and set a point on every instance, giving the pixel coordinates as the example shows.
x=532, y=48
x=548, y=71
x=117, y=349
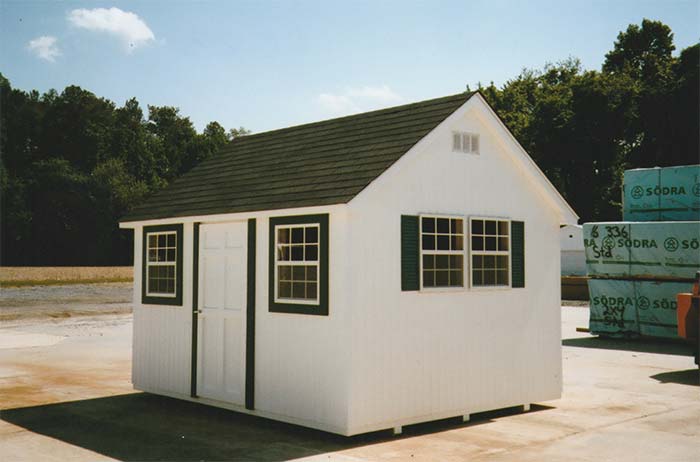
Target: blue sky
x=266, y=65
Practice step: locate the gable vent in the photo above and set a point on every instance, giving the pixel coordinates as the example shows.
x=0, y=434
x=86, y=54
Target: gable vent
x=465, y=142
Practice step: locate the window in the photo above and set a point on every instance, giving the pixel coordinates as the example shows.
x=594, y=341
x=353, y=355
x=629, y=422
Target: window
x=465, y=142
x=162, y=265
x=490, y=254
x=442, y=251
x=299, y=264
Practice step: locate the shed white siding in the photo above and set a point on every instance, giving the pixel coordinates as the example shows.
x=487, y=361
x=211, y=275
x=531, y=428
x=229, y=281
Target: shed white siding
x=302, y=362
x=425, y=355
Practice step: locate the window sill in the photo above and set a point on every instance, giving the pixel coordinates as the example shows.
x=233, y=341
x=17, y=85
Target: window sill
x=442, y=290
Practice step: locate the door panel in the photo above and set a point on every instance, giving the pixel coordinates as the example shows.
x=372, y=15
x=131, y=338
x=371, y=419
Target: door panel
x=221, y=349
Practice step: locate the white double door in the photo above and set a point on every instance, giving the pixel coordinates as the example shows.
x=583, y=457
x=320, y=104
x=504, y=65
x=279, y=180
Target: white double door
x=222, y=312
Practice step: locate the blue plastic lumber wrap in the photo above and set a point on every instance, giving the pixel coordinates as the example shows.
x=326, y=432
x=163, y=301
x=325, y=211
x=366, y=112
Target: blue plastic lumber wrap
x=636, y=249
x=631, y=308
x=662, y=194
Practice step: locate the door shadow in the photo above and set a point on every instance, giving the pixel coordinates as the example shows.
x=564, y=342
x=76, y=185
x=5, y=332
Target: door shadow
x=643, y=345
x=686, y=377
x=141, y=426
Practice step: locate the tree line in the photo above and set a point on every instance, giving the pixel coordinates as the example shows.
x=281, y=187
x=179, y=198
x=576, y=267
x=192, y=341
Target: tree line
x=74, y=163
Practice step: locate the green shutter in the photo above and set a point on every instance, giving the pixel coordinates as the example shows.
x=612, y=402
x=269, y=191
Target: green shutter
x=409, y=253
x=517, y=238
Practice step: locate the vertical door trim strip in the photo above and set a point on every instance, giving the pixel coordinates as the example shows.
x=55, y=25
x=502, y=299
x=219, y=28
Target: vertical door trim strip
x=195, y=308
x=250, y=320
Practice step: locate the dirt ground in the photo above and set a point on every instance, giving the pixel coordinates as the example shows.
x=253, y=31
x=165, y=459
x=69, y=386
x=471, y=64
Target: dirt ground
x=65, y=395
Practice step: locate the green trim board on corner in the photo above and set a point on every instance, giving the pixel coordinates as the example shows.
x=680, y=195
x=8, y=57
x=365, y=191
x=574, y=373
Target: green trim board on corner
x=642, y=249
x=662, y=194
x=632, y=308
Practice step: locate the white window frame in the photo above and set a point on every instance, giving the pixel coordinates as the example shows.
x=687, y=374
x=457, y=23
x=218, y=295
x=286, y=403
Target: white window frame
x=160, y=263
x=317, y=263
x=490, y=252
x=463, y=252
x=464, y=136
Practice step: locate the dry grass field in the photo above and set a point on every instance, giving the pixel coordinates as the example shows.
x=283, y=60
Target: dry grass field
x=14, y=276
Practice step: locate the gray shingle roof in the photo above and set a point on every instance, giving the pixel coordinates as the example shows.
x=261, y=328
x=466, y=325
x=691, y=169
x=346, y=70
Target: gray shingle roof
x=320, y=163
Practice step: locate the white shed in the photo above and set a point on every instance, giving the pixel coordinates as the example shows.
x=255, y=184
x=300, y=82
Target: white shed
x=573, y=258
x=355, y=274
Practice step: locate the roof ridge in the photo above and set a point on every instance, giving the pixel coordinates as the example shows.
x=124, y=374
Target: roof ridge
x=402, y=107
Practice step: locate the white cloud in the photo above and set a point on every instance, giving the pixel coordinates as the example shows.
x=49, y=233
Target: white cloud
x=358, y=99
x=125, y=25
x=44, y=47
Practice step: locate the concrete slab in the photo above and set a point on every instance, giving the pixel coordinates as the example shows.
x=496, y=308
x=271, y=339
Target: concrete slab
x=73, y=401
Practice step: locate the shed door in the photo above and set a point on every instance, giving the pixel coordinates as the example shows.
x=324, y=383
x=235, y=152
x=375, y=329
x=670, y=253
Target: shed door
x=222, y=305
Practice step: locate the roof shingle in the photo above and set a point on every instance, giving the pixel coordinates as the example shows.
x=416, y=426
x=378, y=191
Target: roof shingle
x=320, y=163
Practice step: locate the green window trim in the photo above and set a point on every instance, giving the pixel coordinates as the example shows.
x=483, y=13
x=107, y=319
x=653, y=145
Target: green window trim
x=154, y=299
x=321, y=306
x=517, y=232
x=410, y=253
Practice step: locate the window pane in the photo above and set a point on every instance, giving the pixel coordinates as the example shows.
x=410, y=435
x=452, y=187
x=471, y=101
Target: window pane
x=171, y=255
x=428, y=242
x=428, y=261
x=428, y=278
x=441, y=261
x=456, y=141
x=475, y=143
x=284, y=290
x=283, y=236
x=311, y=252
x=503, y=228
x=443, y=225
x=477, y=261
x=283, y=253
x=490, y=227
x=490, y=243
x=502, y=243
x=489, y=261
x=502, y=261
x=456, y=279
x=284, y=273
x=428, y=225
x=477, y=243
x=311, y=234
x=152, y=240
x=477, y=277
x=170, y=286
x=442, y=278
x=457, y=243
x=311, y=290
x=161, y=254
x=298, y=289
x=311, y=273
x=502, y=277
x=465, y=142
x=152, y=255
x=297, y=235
x=297, y=251
x=456, y=262
x=298, y=273
x=443, y=242
x=456, y=226
x=170, y=272
x=489, y=278
x=171, y=240
x=477, y=227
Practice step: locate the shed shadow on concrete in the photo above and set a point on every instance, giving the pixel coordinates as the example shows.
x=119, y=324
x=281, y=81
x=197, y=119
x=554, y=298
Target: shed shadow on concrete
x=686, y=377
x=141, y=426
x=643, y=345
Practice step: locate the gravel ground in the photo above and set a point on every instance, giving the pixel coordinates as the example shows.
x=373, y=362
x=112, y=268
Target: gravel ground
x=64, y=301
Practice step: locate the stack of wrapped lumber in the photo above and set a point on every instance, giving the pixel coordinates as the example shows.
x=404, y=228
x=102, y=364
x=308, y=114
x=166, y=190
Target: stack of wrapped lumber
x=638, y=267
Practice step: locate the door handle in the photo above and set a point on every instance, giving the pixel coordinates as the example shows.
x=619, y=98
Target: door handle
x=197, y=312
